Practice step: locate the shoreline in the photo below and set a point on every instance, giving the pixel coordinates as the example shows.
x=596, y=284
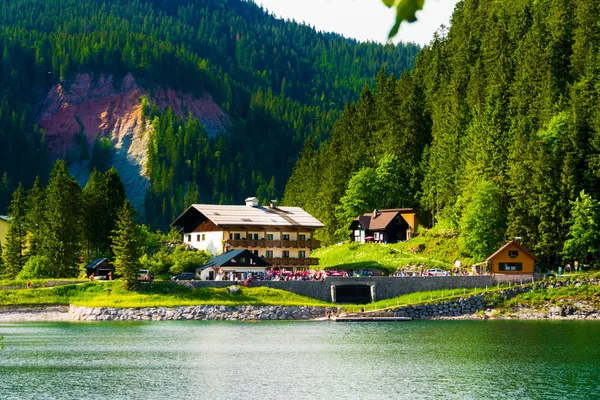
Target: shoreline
x=53, y=313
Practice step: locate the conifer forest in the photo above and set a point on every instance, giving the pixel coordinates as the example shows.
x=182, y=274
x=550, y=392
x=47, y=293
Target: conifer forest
x=491, y=131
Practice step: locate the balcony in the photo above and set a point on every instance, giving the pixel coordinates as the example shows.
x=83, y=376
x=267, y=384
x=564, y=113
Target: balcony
x=287, y=261
x=275, y=244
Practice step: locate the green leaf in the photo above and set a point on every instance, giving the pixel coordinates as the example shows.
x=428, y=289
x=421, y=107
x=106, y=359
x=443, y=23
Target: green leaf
x=405, y=11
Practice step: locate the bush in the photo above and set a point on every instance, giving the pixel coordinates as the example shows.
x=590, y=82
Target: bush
x=187, y=260
x=159, y=263
x=353, y=246
x=36, y=267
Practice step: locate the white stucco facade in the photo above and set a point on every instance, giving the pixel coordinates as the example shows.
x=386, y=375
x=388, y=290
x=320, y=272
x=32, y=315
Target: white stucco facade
x=211, y=242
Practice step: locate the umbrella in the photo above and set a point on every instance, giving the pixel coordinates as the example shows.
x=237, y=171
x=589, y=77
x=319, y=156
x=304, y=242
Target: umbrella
x=369, y=238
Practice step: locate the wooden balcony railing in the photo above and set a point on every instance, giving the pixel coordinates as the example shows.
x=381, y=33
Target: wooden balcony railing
x=275, y=244
x=283, y=261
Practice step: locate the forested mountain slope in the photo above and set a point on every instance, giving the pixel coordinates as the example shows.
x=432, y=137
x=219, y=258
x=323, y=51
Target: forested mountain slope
x=494, y=134
x=278, y=82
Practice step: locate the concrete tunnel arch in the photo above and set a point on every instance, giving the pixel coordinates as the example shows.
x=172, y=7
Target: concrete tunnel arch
x=354, y=293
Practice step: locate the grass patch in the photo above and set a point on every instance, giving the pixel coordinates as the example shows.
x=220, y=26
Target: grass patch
x=568, y=294
x=34, y=282
x=418, y=298
x=113, y=294
x=390, y=257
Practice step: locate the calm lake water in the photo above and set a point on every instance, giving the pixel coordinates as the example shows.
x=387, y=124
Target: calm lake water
x=301, y=360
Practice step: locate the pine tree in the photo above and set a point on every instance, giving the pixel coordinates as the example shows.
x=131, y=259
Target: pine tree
x=14, y=249
x=125, y=246
x=93, y=200
x=62, y=229
x=35, y=216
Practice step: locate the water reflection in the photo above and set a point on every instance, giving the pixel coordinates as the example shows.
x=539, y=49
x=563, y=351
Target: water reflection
x=301, y=360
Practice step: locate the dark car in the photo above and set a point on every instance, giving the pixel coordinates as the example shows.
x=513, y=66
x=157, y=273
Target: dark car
x=184, y=276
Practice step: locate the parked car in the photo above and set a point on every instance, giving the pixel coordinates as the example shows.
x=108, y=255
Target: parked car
x=144, y=275
x=436, y=272
x=184, y=276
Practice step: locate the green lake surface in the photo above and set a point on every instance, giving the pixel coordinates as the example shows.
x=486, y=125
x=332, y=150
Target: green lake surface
x=301, y=360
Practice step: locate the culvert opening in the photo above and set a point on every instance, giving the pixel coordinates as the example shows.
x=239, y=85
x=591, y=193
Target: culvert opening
x=355, y=294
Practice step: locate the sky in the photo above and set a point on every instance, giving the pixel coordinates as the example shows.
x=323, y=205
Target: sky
x=364, y=20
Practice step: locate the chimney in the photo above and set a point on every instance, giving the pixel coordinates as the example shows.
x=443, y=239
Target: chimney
x=518, y=239
x=252, y=202
x=375, y=213
x=273, y=204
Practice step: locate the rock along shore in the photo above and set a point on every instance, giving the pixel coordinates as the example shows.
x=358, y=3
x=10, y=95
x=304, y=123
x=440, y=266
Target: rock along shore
x=481, y=306
x=203, y=313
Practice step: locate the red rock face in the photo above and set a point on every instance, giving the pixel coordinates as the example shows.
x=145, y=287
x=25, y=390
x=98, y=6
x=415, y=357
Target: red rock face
x=98, y=108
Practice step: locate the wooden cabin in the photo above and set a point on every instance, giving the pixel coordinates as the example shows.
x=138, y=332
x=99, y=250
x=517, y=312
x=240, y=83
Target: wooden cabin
x=100, y=267
x=512, y=259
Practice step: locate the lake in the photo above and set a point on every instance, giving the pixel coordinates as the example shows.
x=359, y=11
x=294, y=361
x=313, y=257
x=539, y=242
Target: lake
x=301, y=360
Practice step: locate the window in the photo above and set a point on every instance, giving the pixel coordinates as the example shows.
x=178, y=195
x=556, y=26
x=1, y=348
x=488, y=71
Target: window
x=189, y=238
x=269, y=254
x=513, y=253
x=236, y=236
x=285, y=236
x=301, y=254
x=285, y=254
x=197, y=238
x=301, y=237
x=510, y=266
x=203, y=237
x=269, y=236
x=254, y=236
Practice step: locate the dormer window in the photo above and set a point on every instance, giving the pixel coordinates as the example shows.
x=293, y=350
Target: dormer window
x=513, y=253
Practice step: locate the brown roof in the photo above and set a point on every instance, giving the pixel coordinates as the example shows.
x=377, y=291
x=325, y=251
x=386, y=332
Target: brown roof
x=383, y=218
x=508, y=244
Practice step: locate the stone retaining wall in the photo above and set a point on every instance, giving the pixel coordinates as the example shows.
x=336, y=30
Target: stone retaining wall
x=237, y=313
x=469, y=306
x=386, y=287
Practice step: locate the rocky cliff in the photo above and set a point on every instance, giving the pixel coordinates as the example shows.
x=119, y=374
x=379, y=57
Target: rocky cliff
x=99, y=106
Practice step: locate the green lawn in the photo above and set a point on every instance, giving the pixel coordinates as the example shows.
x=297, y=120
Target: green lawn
x=34, y=282
x=390, y=257
x=113, y=294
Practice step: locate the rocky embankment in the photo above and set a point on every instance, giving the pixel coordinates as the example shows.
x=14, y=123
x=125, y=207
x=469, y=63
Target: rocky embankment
x=203, y=313
x=489, y=305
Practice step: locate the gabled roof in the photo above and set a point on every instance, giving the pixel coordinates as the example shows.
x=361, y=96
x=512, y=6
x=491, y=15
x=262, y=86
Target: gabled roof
x=222, y=215
x=383, y=218
x=512, y=242
x=225, y=258
x=94, y=263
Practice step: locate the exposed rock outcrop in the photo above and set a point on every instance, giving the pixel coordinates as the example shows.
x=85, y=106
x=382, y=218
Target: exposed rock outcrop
x=99, y=106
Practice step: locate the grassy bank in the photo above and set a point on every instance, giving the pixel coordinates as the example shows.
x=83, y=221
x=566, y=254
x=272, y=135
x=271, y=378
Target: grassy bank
x=33, y=282
x=387, y=257
x=113, y=294
x=571, y=294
